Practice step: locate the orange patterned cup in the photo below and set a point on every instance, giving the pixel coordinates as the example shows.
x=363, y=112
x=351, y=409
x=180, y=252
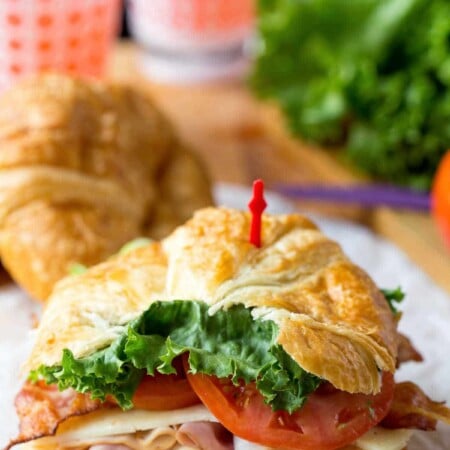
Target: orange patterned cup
x=62, y=35
x=192, y=40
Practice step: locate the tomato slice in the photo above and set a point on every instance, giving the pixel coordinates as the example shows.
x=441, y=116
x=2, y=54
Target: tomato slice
x=165, y=392
x=329, y=419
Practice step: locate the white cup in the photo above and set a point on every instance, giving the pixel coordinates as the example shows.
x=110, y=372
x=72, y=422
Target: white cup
x=192, y=40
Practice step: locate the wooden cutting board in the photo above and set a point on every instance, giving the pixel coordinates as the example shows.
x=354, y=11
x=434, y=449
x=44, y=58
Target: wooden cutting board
x=241, y=139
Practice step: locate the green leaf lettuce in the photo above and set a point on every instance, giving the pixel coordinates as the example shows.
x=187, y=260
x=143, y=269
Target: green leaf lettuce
x=226, y=344
x=393, y=297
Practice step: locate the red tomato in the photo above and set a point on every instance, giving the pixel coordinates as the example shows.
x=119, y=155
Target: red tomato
x=441, y=197
x=329, y=419
x=165, y=392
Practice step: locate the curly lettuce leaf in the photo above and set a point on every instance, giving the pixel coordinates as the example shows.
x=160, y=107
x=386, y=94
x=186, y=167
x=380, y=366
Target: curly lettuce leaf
x=134, y=244
x=393, y=297
x=227, y=344
x=371, y=75
x=77, y=269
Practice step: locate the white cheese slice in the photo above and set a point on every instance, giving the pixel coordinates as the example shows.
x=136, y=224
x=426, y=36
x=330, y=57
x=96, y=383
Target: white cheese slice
x=382, y=439
x=375, y=439
x=115, y=421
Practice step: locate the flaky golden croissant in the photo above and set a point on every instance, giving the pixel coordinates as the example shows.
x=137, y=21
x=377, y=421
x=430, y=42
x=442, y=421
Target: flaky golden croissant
x=332, y=318
x=84, y=168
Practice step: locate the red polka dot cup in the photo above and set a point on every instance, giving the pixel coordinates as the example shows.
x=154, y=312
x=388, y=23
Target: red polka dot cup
x=71, y=36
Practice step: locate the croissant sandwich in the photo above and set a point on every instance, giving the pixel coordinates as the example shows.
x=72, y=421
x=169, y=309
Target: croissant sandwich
x=204, y=341
x=84, y=168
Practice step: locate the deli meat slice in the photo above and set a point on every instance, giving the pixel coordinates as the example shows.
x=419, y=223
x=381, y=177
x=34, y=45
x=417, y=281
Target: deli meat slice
x=205, y=436
x=411, y=408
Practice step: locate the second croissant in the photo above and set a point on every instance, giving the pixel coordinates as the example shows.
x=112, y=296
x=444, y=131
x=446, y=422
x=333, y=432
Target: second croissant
x=84, y=168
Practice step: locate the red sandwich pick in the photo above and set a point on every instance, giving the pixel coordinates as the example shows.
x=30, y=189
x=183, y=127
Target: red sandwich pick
x=256, y=205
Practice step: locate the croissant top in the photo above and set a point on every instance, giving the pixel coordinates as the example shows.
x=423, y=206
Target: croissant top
x=331, y=317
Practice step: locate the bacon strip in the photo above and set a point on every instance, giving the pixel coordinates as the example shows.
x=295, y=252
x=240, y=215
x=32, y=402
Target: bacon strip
x=411, y=408
x=41, y=408
x=406, y=351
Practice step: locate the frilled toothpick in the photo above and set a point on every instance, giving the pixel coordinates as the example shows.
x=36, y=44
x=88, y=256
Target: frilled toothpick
x=256, y=206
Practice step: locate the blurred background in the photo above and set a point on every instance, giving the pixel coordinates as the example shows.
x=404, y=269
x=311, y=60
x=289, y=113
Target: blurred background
x=343, y=107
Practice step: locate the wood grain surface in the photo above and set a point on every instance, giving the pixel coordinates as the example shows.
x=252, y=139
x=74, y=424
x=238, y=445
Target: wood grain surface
x=241, y=138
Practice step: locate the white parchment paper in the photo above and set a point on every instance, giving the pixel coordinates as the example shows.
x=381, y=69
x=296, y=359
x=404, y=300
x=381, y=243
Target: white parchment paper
x=426, y=318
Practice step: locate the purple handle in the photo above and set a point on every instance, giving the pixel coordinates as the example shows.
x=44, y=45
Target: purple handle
x=366, y=195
